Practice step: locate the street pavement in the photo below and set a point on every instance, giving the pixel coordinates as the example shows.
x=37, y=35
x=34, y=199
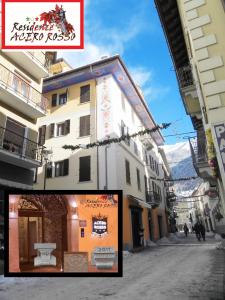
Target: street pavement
x=186, y=270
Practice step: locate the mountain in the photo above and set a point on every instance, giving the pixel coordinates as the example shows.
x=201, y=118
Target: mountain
x=180, y=162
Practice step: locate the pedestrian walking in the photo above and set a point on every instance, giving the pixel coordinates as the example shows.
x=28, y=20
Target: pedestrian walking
x=202, y=230
x=186, y=230
x=197, y=231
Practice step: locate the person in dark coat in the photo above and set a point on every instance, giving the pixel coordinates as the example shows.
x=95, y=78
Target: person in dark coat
x=197, y=231
x=202, y=231
x=186, y=230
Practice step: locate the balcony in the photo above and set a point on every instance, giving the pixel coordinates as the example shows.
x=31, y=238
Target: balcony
x=34, y=62
x=188, y=90
x=20, y=95
x=199, y=155
x=18, y=150
x=152, y=198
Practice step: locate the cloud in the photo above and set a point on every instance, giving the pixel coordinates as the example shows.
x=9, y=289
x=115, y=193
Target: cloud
x=141, y=76
x=156, y=92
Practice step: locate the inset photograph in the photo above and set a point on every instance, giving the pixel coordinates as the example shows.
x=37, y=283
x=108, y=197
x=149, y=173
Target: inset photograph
x=59, y=234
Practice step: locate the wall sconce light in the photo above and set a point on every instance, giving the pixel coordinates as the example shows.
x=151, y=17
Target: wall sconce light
x=12, y=207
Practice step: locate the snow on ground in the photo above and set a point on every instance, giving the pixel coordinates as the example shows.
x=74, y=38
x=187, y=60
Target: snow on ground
x=158, y=273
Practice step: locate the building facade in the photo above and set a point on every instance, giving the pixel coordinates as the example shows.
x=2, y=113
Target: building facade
x=95, y=103
x=194, y=32
x=21, y=104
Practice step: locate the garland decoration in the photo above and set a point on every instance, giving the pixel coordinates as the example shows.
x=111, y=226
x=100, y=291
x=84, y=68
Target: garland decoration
x=175, y=179
x=125, y=137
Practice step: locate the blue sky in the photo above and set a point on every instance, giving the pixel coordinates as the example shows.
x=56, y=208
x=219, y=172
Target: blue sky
x=132, y=29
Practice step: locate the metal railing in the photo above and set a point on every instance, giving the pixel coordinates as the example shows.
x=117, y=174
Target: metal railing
x=198, y=149
x=152, y=197
x=41, y=58
x=19, y=145
x=16, y=84
x=185, y=76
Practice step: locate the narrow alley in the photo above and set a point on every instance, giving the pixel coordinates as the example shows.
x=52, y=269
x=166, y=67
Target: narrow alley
x=180, y=269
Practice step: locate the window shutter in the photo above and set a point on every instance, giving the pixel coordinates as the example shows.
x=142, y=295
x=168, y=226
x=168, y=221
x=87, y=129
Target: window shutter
x=41, y=135
x=85, y=125
x=127, y=165
x=66, y=167
x=85, y=168
x=52, y=130
x=85, y=94
x=67, y=125
x=54, y=100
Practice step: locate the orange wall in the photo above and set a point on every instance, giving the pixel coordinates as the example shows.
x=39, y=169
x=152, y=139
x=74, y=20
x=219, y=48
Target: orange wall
x=89, y=242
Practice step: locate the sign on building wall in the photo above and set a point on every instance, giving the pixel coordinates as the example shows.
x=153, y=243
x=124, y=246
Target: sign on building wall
x=220, y=139
x=99, y=225
x=104, y=108
x=42, y=25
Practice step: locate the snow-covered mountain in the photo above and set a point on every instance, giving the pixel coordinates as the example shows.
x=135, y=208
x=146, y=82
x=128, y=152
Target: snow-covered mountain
x=180, y=162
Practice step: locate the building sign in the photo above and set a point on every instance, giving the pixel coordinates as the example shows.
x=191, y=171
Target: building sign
x=103, y=201
x=104, y=107
x=99, y=225
x=220, y=138
x=42, y=24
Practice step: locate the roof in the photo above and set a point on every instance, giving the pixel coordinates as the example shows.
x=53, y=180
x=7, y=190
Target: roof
x=114, y=66
x=170, y=19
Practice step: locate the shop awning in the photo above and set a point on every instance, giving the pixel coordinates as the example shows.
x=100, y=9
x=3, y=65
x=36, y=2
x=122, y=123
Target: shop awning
x=138, y=201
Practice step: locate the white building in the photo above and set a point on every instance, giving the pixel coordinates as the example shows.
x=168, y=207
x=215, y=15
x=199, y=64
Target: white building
x=94, y=103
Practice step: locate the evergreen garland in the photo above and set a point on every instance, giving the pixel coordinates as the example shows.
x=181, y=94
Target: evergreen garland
x=119, y=139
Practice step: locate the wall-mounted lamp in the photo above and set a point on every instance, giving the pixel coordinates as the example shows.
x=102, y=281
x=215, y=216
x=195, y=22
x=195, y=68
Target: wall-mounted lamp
x=12, y=207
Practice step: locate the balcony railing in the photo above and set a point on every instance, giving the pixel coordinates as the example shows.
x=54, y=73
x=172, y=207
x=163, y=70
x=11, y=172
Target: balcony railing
x=19, y=86
x=199, y=151
x=152, y=198
x=19, y=145
x=41, y=58
x=185, y=76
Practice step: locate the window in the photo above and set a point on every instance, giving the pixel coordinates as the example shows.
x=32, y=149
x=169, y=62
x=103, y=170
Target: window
x=125, y=131
x=62, y=98
x=59, y=99
x=61, y=128
x=41, y=135
x=157, y=168
x=135, y=148
x=54, y=100
x=138, y=179
x=85, y=93
x=62, y=168
x=85, y=125
x=49, y=170
x=127, y=167
x=35, y=173
x=85, y=168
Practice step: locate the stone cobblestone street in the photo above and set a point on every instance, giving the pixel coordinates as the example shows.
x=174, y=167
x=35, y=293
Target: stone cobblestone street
x=186, y=270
